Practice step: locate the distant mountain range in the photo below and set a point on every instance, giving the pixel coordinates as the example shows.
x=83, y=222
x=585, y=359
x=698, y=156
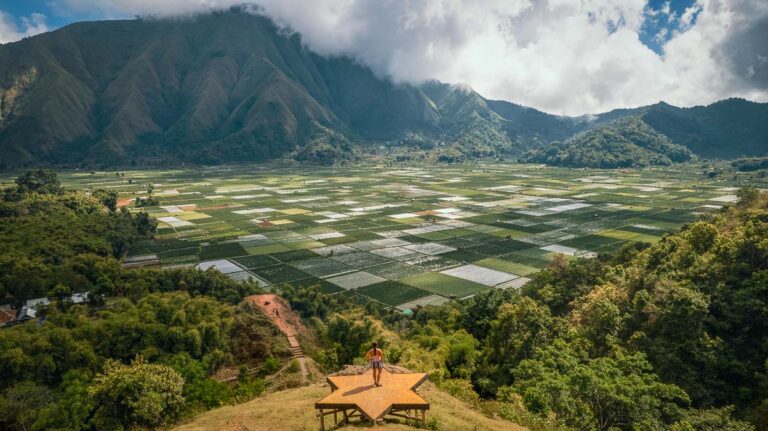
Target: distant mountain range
x=623, y=143
x=231, y=86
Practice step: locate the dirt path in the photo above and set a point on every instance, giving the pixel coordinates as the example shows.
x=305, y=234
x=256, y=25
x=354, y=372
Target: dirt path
x=275, y=308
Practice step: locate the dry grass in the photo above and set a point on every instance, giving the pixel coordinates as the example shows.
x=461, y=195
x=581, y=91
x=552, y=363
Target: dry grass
x=293, y=410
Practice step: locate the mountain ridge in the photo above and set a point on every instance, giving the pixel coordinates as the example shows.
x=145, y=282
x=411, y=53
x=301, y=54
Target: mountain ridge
x=232, y=86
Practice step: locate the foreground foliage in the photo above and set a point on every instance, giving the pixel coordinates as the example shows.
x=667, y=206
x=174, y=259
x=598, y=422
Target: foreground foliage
x=142, y=351
x=667, y=336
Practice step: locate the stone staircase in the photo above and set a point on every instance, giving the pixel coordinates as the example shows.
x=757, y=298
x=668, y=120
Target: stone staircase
x=296, y=350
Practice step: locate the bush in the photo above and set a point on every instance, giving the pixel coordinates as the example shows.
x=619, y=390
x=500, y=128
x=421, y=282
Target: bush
x=136, y=395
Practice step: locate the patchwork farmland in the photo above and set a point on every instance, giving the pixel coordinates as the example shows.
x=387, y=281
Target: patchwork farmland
x=404, y=236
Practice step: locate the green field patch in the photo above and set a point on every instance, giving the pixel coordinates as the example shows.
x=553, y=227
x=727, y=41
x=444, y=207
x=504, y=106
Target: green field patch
x=444, y=285
x=188, y=216
x=177, y=260
x=435, y=236
x=507, y=266
x=325, y=286
x=463, y=256
x=644, y=230
x=588, y=242
x=190, y=252
x=414, y=239
x=290, y=256
x=267, y=249
x=662, y=225
x=362, y=235
x=532, y=261
x=536, y=228
x=460, y=242
x=321, y=266
x=532, y=251
x=629, y=236
x=459, y=232
x=508, y=233
x=302, y=245
x=610, y=248
x=392, y=293
x=511, y=244
x=256, y=261
x=160, y=246
x=338, y=240
x=408, y=220
x=220, y=251
x=281, y=273
x=488, y=250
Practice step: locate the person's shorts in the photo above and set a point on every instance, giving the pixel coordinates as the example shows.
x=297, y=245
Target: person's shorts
x=377, y=364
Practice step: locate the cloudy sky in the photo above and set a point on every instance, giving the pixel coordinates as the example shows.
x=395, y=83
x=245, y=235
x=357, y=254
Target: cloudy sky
x=561, y=56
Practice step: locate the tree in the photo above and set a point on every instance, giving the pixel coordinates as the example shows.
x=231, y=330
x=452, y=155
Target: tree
x=60, y=295
x=461, y=355
x=481, y=310
x=20, y=405
x=702, y=236
x=711, y=420
x=136, y=395
x=43, y=181
x=349, y=336
x=519, y=329
x=145, y=225
x=108, y=198
x=747, y=195
x=614, y=392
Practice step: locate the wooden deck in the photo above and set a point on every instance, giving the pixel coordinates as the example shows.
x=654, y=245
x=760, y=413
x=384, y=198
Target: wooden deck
x=357, y=396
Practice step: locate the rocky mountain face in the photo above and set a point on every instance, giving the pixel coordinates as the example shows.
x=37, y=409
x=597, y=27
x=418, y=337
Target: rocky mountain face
x=232, y=86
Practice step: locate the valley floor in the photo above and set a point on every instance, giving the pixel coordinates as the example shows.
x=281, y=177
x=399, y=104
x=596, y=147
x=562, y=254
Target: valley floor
x=405, y=236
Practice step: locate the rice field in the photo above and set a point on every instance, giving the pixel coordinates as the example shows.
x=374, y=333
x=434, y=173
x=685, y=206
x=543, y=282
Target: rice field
x=406, y=236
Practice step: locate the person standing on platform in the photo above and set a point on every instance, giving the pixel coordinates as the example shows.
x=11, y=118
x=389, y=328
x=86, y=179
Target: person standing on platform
x=376, y=357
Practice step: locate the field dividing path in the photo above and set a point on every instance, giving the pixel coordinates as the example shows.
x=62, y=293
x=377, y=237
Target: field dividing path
x=276, y=309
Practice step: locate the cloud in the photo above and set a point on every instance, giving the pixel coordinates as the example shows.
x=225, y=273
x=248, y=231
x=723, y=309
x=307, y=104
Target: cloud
x=561, y=56
x=30, y=26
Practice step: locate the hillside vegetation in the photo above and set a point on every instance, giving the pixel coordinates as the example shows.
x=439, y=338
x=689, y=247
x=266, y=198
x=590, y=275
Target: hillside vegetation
x=623, y=143
x=231, y=86
x=669, y=336
x=228, y=86
x=143, y=349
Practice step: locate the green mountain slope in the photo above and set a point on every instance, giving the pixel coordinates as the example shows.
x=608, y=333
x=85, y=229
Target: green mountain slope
x=725, y=129
x=231, y=86
x=627, y=142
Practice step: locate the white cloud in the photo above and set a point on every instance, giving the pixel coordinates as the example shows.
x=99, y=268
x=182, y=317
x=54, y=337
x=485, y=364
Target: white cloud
x=561, y=56
x=30, y=26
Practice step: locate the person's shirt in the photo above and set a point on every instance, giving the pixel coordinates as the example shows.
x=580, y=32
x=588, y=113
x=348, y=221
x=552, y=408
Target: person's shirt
x=375, y=355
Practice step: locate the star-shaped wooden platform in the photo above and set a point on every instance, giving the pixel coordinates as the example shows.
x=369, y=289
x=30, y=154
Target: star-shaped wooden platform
x=397, y=392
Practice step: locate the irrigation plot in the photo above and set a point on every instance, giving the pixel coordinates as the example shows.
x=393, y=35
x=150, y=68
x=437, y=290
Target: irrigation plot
x=410, y=236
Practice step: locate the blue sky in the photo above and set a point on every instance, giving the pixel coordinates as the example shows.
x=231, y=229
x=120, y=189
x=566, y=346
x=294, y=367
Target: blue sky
x=24, y=8
x=653, y=32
